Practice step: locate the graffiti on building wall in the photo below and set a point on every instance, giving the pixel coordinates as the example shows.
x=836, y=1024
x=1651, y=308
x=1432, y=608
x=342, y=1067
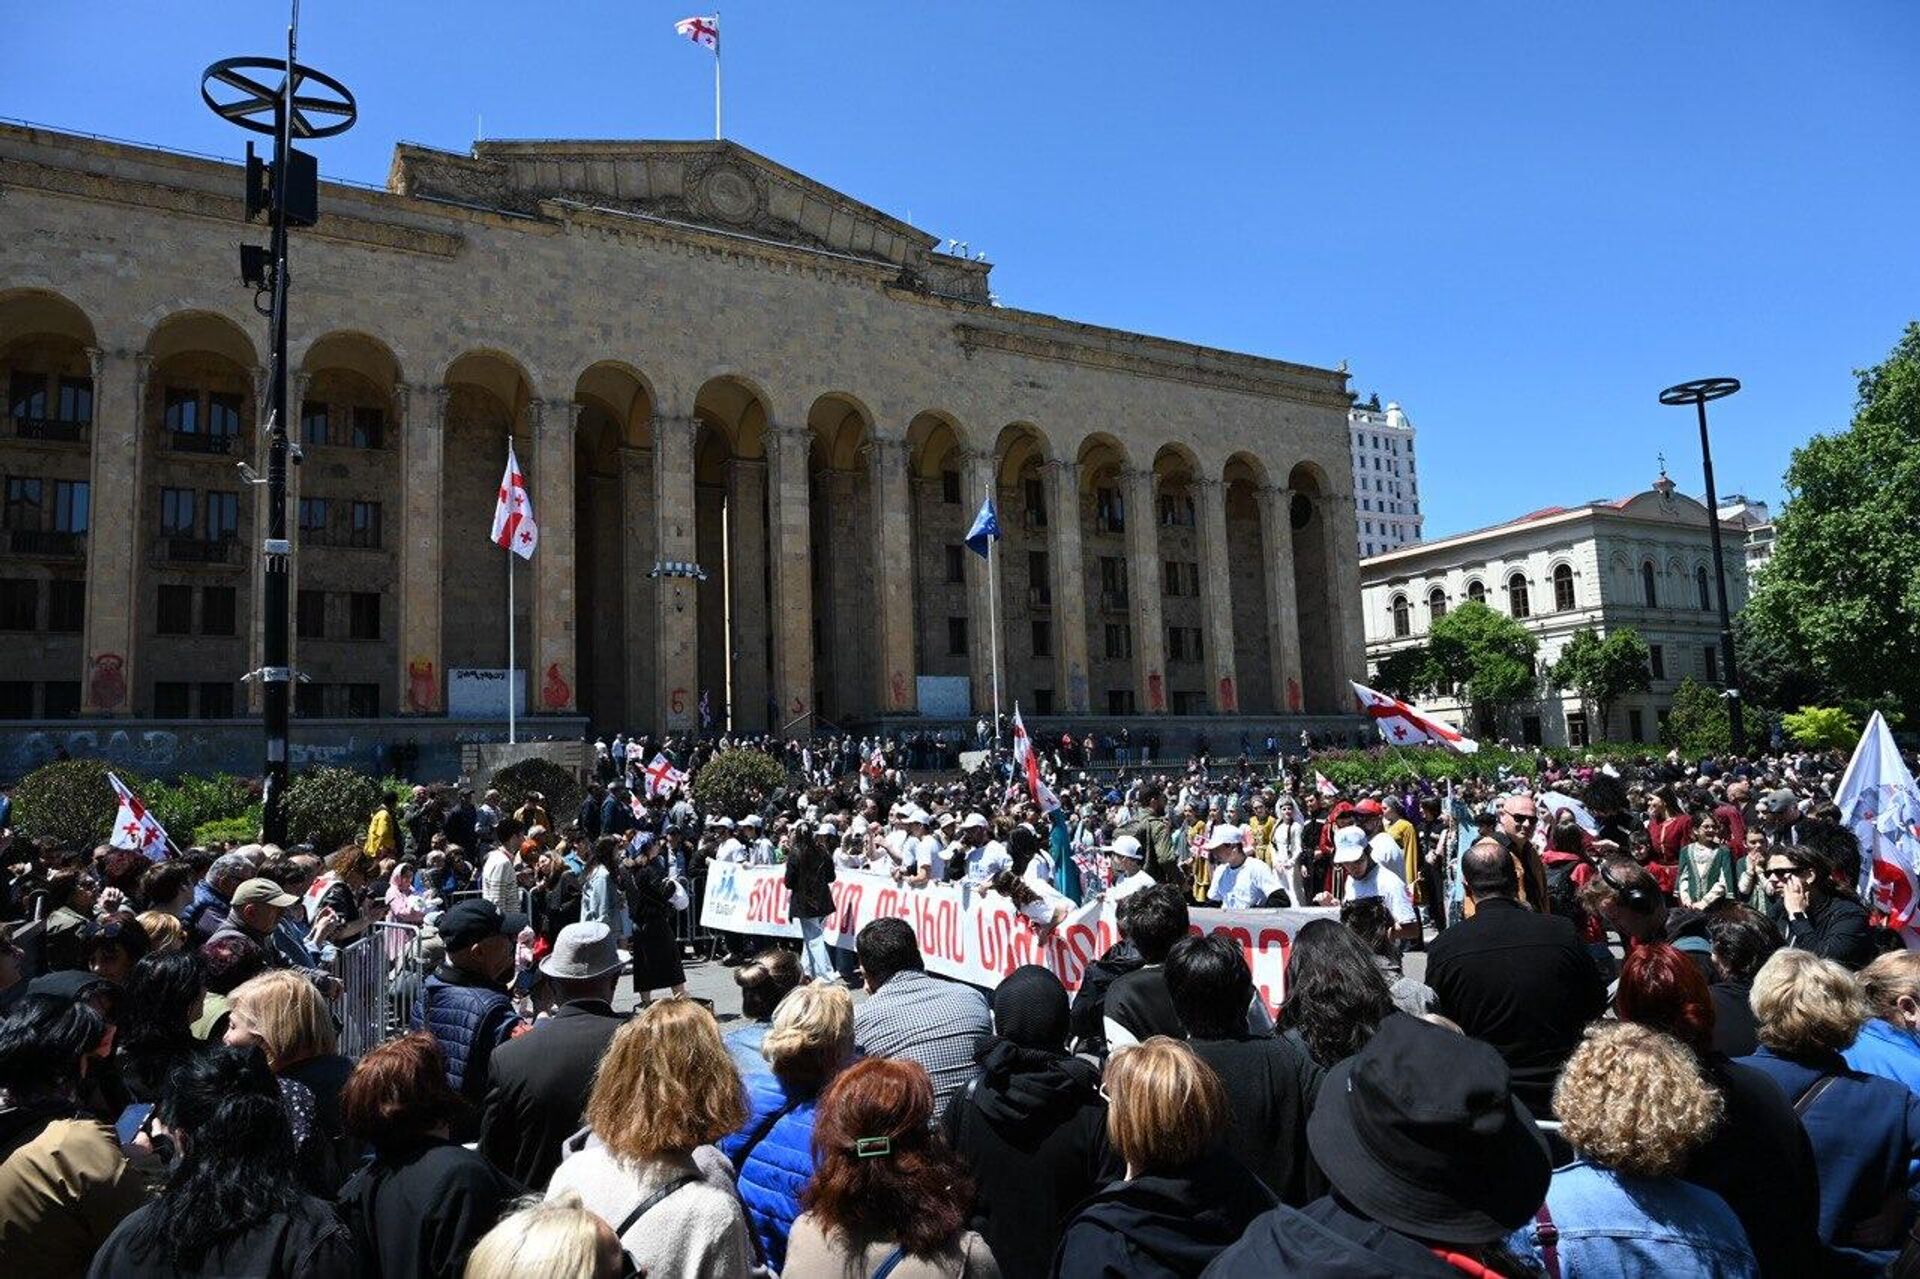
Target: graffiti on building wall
x=107, y=681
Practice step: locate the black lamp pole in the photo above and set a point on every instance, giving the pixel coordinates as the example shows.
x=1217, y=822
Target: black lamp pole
x=305, y=104
x=1697, y=393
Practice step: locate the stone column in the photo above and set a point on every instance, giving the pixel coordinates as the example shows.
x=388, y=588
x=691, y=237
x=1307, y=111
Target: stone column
x=554, y=670
x=1283, y=601
x=636, y=589
x=978, y=472
x=422, y=412
x=897, y=692
x=1144, y=588
x=1216, y=587
x=676, y=672
x=1343, y=590
x=116, y=540
x=1069, y=588
x=789, y=546
x=747, y=592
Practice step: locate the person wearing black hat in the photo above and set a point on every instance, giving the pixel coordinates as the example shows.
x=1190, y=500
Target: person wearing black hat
x=464, y=1004
x=1031, y=1125
x=1432, y=1160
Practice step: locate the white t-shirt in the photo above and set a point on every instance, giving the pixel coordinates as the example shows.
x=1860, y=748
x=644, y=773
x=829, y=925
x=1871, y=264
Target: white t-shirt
x=1039, y=871
x=917, y=851
x=498, y=882
x=1130, y=885
x=761, y=852
x=1384, y=884
x=730, y=850
x=1387, y=852
x=1244, y=886
x=986, y=861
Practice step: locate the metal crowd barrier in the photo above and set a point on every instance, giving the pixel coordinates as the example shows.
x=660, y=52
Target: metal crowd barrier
x=380, y=973
x=695, y=940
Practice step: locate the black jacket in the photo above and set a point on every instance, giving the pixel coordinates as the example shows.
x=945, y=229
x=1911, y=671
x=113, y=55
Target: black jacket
x=459, y=826
x=809, y=877
x=537, y=1087
x=1162, y=1226
x=1271, y=1086
x=1034, y=1130
x=1523, y=982
x=1834, y=928
x=1325, y=1241
x=308, y=1242
x=1087, y=1017
x=419, y=1208
x=1141, y=1002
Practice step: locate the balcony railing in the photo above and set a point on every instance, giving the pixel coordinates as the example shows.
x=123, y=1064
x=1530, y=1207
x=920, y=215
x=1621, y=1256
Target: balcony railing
x=44, y=544
x=200, y=442
x=200, y=550
x=50, y=430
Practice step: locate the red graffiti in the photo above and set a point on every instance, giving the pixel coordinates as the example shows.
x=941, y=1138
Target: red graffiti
x=1228, y=702
x=799, y=707
x=1293, y=694
x=107, y=681
x=899, y=691
x=554, y=692
x=677, y=701
x=423, y=690
x=1156, y=693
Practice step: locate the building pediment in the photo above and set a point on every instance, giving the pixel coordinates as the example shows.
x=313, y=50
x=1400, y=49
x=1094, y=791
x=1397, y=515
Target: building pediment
x=717, y=186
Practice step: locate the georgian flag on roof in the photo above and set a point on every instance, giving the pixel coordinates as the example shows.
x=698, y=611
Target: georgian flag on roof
x=704, y=31
x=134, y=827
x=1880, y=804
x=1401, y=725
x=513, y=523
x=1028, y=763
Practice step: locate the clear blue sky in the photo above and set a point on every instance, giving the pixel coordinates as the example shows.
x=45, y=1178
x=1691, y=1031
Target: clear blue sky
x=1519, y=220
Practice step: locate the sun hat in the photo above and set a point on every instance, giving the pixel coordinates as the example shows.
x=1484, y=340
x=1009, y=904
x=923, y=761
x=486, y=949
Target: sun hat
x=1349, y=845
x=582, y=952
x=1125, y=846
x=1419, y=1131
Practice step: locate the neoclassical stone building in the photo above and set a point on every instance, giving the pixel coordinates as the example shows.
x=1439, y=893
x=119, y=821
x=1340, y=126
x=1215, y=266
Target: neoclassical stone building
x=704, y=359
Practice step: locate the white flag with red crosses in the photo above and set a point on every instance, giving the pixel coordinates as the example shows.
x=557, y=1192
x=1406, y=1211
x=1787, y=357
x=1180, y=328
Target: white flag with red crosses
x=702, y=31
x=1402, y=725
x=513, y=524
x=134, y=827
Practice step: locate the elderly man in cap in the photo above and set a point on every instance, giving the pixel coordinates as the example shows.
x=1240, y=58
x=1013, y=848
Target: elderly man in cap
x=1239, y=882
x=258, y=905
x=212, y=896
x=464, y=1004
x=537, y=1084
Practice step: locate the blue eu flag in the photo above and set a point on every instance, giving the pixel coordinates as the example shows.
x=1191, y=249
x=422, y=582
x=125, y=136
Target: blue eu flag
x=986, y=527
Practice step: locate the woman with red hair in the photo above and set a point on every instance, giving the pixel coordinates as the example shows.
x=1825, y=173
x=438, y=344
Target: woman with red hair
x=887, y=1193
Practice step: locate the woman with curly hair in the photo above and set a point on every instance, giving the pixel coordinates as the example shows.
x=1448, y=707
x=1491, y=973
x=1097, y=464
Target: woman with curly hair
x=888, y=1195
x=1632, y=1104
x=1336, y=996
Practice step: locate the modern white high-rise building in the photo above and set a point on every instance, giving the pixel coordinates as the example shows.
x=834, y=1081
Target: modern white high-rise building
x=1386, y=484
x=1757, y=521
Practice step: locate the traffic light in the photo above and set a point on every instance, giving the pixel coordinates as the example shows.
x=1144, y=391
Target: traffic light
x=300, y=189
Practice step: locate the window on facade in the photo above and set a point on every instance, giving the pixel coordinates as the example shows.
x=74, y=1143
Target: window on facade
x=174, y=616
x=66, y=605
x=1711, y=660
x=309, y=700
x=363, y=700
x=1648, y=596
x=1530, y=729
x=172, y=699
x=1563, y=588
x=1034, y=495
x=1656, y=662
x=1189, y=702
x=218, y=605
x=366, y=525
x=1119, y=701
x=1517, y=598
x=313, y=423
x=16, y=699
x=1040, y=577
x=1109, y=511
x=23, y=502
x=363, y=615
x=19, y=604
x=1576, y=728
x=1113, y=582
x=223, y=413
x=177, y=512
x=181, y=411
x=1402, y=617
x=62, y=698
x=223, y=516
x=956, y=636
x=1477, y=592
x=216, y=700
x=1043, y=701
x=950, y=487
x=369, y=432
x=310, y=615
x=1183, y=643
x=1042, y=637
x=72, y=502
x=1119, y=637
x=1436, y=604
x=1700, y=585
x=313, y=517
x=76, y=401
x=1176, y=510
x=26, y=395
x=956, y=566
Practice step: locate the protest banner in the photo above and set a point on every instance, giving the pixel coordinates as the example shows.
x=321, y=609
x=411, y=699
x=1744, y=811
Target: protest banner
x=979, y=937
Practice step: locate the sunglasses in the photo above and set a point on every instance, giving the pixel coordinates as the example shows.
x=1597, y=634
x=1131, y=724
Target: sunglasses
x=1780, y=872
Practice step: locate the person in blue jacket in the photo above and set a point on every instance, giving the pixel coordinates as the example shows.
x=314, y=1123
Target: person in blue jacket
x=809, y=1042
x=1889, y=1044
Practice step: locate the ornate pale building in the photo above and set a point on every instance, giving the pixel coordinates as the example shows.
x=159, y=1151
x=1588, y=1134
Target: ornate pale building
x=756, y=416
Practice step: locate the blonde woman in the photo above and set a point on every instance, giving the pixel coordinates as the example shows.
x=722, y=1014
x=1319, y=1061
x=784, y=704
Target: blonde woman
x=1889, y=1043
x=665, y=1092
x=1633, y=1105
x=1865, y=1130
x=283, y=1014
x=555, y=1239
x=164, y=931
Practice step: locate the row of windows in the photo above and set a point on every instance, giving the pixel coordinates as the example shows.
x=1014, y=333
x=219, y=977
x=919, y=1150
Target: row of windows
x=319, y=516
x=1709, y=662
x=31, y=502
x=185, y=411
x=174, y=612
x=360, y=427
x=60, y=699
x=361, y=613
x=1519, y=596
x=29, y=395
x=20, y=605
x=180, y=514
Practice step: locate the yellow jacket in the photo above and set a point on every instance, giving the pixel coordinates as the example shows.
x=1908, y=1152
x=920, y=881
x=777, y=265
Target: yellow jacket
x=382, y=841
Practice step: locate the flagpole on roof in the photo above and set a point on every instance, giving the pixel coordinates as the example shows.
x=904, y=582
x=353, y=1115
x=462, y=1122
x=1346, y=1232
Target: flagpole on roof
x=716, y=75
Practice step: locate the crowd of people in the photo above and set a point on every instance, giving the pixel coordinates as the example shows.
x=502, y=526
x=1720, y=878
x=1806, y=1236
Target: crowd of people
x=1655, y=1031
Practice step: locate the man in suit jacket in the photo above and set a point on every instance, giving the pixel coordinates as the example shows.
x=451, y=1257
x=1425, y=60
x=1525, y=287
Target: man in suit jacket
x=537, y=1084
x=1520, y=980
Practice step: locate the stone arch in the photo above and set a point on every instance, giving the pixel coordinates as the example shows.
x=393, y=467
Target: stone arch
x=840, y=514
x=1565, y=592
x=1249, y=584
x=1436, y=605
x=614, y=546
x=1178, y=577
x=1104, y=512
x=938, y=448
x=1030, y=640
x=1321, y=659
x=733, y=415
x=488, y=395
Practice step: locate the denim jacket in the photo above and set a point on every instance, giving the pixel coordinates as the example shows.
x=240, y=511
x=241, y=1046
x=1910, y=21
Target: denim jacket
x=1614, y=1223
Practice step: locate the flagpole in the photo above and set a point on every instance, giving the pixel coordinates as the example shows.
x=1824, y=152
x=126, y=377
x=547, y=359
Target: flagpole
x=512, y=728
x=716, y=75
x=993, y=638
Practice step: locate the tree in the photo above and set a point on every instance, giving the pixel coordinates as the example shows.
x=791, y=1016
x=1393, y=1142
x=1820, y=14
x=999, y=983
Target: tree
x=1406, y=673
x=1486, y=655
x=1697, y=723
x=1602, y=671
x=1840, y=593
x=1822, y=728
x=737, y=782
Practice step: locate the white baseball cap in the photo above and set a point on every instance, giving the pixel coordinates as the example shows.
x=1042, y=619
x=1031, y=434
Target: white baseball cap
x=751, y=819
x=975, y=821
x=1125, y=846
x=723, y=823
x=1225, y=835
x=858, y=826
x=1349, y=845
x=915, y=816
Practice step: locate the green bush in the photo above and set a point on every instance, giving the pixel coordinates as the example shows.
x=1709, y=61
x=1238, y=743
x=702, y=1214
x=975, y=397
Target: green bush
x=188, y=803
x=244, y=829
x=330, y=807
x=736, y=782
x=70, y=801
x=516, y=781
x=1381, y=767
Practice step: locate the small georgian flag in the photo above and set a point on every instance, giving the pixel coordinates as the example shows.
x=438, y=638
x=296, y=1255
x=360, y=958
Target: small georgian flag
x=513, y=523
x=702, y=31
x=134, y=827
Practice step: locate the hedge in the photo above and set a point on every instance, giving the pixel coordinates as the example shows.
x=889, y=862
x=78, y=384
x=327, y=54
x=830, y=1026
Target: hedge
x=330, y=807
x=736, y=782
x=70, y=802
x=516, y=781
x=1382, y=767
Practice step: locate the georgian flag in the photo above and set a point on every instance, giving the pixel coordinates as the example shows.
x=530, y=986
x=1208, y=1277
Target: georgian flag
x=1027, y=762
x=1880, y=804
x=134, y=827
x=702, y=31
x=1401, y=725
x=1326, y=788
x=663, y=777
x=876, y=763
x=513, y=523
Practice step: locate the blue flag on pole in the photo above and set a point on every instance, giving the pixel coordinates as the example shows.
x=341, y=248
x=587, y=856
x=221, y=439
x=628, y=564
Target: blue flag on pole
x=986, y=527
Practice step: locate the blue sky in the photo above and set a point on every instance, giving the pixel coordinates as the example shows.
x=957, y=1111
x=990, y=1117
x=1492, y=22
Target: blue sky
x=1519, y=220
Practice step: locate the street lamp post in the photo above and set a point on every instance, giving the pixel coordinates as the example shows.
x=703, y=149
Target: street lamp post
x=305, y=104
x=1697, y=393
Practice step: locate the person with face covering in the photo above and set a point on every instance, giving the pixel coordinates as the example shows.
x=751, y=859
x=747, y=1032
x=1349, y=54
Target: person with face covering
x=1031, y=1126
